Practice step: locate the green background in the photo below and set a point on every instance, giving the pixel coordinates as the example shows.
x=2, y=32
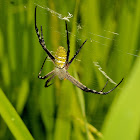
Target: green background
x=28, y=110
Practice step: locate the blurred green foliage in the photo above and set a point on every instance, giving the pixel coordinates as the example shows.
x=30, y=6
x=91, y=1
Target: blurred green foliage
x=62, y=111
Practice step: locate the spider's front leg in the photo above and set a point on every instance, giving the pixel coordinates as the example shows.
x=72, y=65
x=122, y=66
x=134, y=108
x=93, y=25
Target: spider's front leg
x=77, y=52
x=68, y=43
x=52, y=74
x=68, y=51
x=41, y=40
x=47, y=75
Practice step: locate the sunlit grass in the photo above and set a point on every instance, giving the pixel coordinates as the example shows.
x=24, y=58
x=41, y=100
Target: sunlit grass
x=13, y=121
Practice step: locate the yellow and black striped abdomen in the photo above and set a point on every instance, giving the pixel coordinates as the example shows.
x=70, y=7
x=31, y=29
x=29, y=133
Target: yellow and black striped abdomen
x=60, y=57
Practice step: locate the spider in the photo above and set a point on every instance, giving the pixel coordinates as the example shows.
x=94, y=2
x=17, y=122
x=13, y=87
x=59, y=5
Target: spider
x=62, y=63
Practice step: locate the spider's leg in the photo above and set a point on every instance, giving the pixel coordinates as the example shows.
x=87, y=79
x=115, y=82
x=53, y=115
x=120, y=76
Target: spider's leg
x=84, y=88
x=77, y=52
x=104, y=86
x=46, y=84
x=47, y=75
x=37, y=32
x=112, y=88
x=41, y=40
x=40, y=77
x=68, y=44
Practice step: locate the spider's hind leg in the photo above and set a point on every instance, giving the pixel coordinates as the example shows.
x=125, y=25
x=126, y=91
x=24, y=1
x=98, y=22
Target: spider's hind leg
x=104, y=86
x=46, y=84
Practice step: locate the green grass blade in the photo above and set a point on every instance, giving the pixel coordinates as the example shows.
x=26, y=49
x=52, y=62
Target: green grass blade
x=80, y=99
x=12, y=119
x=63, y=121
x=123, y=120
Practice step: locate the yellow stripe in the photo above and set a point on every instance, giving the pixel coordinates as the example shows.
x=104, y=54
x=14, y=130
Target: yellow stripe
x=60, y=57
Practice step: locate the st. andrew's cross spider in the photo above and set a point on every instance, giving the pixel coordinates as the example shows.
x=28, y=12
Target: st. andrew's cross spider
x=62, y=63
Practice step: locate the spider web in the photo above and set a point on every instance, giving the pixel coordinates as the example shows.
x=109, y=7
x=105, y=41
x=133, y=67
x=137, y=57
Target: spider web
x=93, y=38
x=60, y=16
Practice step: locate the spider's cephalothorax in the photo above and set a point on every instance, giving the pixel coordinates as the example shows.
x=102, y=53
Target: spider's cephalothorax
x=62, y=63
